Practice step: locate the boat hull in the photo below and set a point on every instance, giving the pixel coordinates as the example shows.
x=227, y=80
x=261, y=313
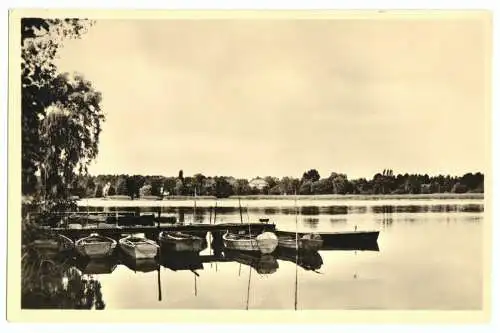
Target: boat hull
x=302, y=244
x=341, y=239
x=186, y=243
x=265, y=243
x=53, y=246
x=95, y=246
x=144, y=250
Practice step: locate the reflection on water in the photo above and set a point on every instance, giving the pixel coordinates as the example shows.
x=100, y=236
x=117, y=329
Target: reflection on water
x=303, y=210
x=311, y=222
x=427, y=257
x=57, y=283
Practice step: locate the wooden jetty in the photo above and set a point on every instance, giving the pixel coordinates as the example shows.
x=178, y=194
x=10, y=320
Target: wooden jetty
x=153, y=231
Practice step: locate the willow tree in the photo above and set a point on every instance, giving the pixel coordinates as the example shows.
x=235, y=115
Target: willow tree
x=61, y=114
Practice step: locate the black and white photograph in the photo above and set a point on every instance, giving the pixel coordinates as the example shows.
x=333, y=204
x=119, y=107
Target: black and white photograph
x=251, y=160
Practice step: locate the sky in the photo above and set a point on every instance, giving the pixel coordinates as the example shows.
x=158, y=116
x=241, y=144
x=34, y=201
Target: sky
x=252, y=97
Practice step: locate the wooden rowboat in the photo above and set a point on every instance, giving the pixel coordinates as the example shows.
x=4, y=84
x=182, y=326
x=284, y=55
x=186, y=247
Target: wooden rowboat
x=52, y=245
x=95, y=246
x=181, y=242
x=341, y=238
x=307, y=242
x=138, y=247
x=265, y=242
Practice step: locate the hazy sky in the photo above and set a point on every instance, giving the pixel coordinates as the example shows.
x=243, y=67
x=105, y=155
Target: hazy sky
x=278, y=97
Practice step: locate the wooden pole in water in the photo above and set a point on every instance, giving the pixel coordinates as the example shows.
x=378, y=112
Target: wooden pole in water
x=194, y=210
x=195, y=287
x=248, y=221
x=215, y=211
x=248, y=289
x=241, y=213
x=159, y=284
x=296, y=251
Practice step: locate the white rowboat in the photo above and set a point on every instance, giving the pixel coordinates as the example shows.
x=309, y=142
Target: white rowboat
x=265, y=242
x=138, y=247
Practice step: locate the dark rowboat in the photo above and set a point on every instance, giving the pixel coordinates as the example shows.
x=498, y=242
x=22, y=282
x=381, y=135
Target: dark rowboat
x=340, y=239
x=52, y=245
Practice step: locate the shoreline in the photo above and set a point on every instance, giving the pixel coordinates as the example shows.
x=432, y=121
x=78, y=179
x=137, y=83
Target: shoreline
x=437, y=196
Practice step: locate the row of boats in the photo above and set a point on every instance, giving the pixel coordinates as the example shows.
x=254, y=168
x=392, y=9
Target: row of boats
x=140, y=247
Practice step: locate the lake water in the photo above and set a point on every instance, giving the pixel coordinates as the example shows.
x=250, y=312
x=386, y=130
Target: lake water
x=429, y=256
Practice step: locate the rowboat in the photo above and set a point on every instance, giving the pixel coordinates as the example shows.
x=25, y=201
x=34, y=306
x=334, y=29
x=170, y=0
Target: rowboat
x=95, y=246
x=307, y=242
x=265, y=242
x=52, y=245
x=138, y=247
x=181, y=242
x=340, y=238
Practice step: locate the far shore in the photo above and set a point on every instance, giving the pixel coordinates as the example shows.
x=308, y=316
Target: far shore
x=435, y=196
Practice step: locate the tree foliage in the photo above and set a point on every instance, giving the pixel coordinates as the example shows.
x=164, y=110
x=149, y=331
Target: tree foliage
x=61, y=114
x=336, y=183
x=311, y=175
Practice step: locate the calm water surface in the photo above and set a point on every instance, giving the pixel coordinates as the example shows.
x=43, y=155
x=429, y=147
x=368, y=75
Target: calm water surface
x=429, y=256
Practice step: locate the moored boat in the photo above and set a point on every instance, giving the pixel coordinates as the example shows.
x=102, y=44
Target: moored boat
x=340, y=238
x=307, y=242
x=95, y=246
x=265, y=242
x=52, y=245
x=138, y=247
x=181, y=242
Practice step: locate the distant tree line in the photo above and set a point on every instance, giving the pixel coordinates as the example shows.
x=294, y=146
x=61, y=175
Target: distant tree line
x=386, y=182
